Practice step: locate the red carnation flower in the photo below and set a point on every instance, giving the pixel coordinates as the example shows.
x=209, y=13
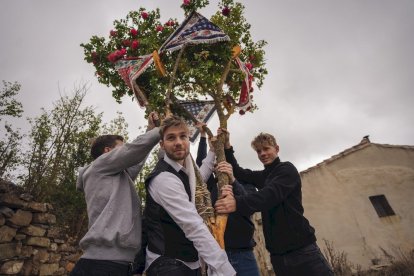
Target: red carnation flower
x=112, y=57
x=122, y=52
x=133, y=32
x=135, y=44
x=113, y=33
x=159, y=28
x=226, y=11
x=144, y=15
x=126, y=42
x=186, y=2
x=249, y=66
x=118, y=54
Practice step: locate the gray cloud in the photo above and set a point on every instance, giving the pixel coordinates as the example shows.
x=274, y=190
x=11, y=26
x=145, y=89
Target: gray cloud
x=338, y=70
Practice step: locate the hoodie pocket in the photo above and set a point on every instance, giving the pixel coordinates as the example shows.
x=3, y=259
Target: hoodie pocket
x=132, y=237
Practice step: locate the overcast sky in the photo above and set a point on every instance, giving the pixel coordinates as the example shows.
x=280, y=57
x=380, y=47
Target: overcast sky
x=338, y=70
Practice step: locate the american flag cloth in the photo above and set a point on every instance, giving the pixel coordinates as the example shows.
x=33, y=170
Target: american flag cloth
x=131, y=69
x=195, y=29
x=245, y=100
x=201, y=110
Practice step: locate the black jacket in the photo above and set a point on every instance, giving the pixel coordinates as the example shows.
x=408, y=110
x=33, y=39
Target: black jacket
x=239, y=229
x=280, y=200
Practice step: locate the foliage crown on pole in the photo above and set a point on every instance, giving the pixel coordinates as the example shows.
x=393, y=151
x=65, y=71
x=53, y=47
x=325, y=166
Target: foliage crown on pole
x=203, y=70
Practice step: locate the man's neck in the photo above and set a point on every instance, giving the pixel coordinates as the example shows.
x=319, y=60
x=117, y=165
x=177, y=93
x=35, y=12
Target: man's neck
x=181, y=162
x=177, y=163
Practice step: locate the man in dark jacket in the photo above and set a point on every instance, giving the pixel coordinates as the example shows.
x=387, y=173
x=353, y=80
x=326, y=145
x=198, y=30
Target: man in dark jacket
x=289, y=237
x=238, y=237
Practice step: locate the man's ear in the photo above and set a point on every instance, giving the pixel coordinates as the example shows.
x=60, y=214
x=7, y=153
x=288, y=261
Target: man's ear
x=107, y=149
x=162, y=144
x=277, y=148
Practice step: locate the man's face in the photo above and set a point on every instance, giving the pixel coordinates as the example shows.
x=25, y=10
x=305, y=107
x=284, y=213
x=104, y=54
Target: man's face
x=267, y=153
x=176, y=143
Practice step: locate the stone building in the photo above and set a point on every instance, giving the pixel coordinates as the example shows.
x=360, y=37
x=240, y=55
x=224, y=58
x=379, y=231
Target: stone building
x=362, y=201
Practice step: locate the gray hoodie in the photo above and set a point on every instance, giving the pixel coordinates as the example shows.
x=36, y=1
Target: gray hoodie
x=113, y=206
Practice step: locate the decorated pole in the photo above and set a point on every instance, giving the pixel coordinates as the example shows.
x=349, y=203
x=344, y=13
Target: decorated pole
x=167, y=66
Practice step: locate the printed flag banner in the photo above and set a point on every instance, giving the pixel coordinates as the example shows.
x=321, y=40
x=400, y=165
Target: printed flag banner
x=195, y=29
x=201, y=110
x=245, y=99
x=130, y=70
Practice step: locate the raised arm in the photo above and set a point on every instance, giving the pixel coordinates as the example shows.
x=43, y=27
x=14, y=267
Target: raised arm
x=245, y=175
x=279, y=186
x=202, y=145
x=129, y=154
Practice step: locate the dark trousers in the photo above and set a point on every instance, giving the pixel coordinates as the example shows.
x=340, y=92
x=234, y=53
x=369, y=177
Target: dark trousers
x=243, y=262
x=88, y=267
x=166, y=266
x=306, y=261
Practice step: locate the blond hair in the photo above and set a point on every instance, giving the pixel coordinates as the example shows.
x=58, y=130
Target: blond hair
x=262, y=139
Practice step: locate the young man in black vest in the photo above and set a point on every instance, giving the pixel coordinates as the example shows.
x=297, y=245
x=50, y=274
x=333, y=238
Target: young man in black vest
x=177, y=235
x=289, y=237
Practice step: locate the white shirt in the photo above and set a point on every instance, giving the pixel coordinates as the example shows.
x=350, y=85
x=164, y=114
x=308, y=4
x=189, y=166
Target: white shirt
x=168, y=191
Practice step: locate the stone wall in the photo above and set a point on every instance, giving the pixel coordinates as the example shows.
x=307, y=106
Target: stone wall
x=30, y=243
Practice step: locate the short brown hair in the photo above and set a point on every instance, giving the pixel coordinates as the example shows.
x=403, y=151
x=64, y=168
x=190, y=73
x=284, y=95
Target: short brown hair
x=170, y=122
x=103, y=141
x=263, y=138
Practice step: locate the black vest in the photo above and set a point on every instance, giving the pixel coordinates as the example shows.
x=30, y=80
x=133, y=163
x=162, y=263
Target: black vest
x=165, y=237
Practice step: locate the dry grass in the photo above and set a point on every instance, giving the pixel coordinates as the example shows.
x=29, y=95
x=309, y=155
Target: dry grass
x=400, y=264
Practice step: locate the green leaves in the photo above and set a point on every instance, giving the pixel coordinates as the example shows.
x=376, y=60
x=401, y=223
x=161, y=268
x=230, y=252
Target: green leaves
x=202, y=67
x=9, y=106
x=193, y=5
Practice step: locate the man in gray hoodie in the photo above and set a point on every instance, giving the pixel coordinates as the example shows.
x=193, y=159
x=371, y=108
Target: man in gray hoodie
x=114, y=235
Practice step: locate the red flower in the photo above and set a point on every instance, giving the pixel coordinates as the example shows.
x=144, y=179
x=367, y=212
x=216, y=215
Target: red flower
x=122, y=52
x=169, y=23
x=249, y=66
x=126, y=42
x=144, y=15
x=95, y=58
x=113, y=33
x=159, y=28
x=186, y=2
x=135, y=44
x=226, y=11
x=112, y=57
x=133, y=32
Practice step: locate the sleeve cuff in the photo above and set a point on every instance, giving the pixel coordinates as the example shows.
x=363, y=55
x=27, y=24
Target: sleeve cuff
x=241, y=208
